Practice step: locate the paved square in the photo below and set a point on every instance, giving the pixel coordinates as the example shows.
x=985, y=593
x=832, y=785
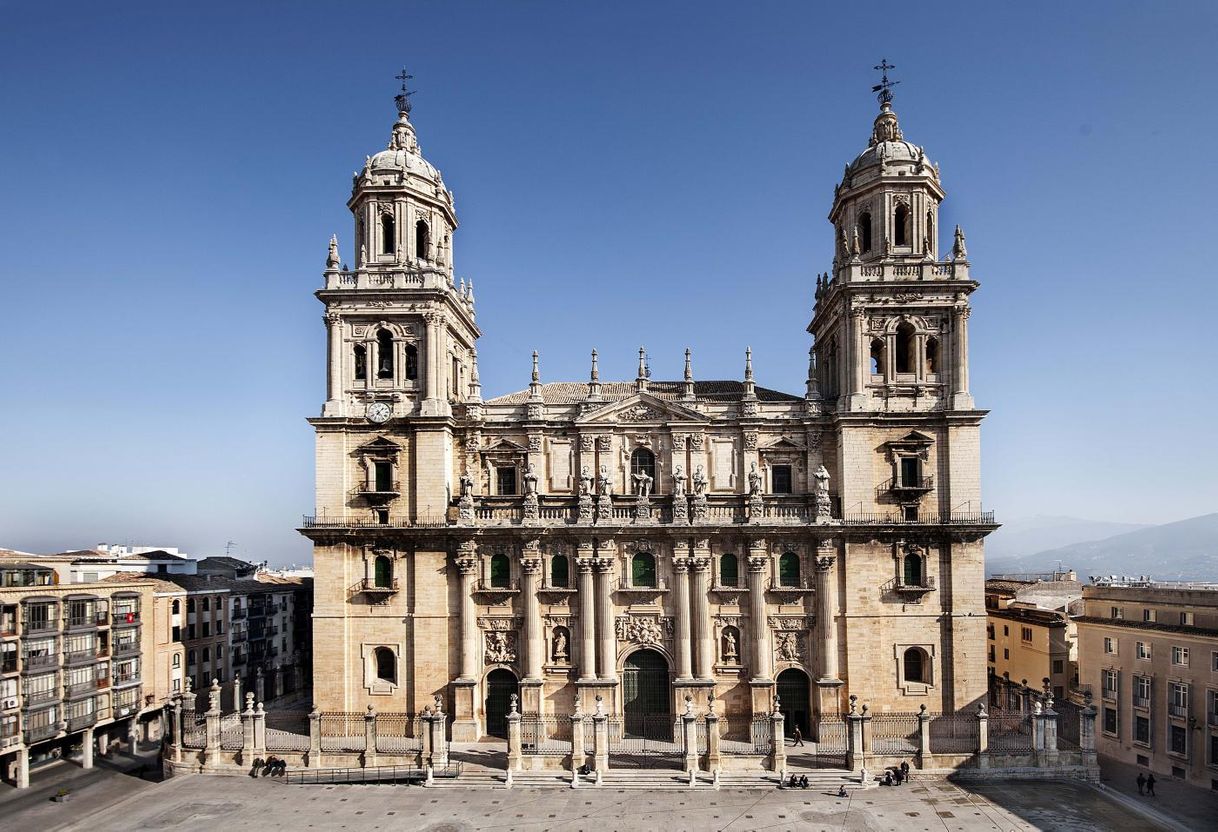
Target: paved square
x=232, y=803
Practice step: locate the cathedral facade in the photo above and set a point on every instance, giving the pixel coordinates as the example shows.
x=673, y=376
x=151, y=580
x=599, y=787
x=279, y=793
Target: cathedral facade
x=646, y=541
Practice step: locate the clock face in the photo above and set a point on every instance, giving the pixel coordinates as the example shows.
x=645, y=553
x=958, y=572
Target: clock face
x=379, y=412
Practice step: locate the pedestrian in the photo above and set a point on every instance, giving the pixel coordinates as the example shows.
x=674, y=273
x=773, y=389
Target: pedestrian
x=841, y=791
x=888, y=778
x=905, y=769
x=1150, y=785
x=1141, y=782
x=799, y=736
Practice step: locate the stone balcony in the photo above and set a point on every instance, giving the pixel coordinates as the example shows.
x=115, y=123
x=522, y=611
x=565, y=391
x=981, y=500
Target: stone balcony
x=902, y=270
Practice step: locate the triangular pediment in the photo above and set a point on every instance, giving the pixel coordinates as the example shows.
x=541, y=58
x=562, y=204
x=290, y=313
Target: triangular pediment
x=505, y=446
x=784, y=444
x=642, y=408
x=381, y=443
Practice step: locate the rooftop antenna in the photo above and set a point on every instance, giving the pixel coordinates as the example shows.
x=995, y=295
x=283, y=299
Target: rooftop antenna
x=228, y=548
x=884, y=88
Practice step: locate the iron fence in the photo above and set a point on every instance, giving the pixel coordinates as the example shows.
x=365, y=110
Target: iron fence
x=397, y=734
x=545, y=734
x=232, y=732
x=342, y=732
x=1010, y=732
x=194, y=730
x=895, y=734
x=287, y=731
x=953, y=733
x=1068, y=718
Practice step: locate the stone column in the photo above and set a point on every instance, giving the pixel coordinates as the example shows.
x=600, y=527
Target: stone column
x=514, y=753
x=236, y=692
x=689, y=736
x=700, y=586
x=247, y=730
x=86, y=749
x=534, y=643
x=177, y=730
x=431, y=364
x=587, y=612
x=577, y=742
x=778, y=742
x=467, y=565
x=607, y=654
x=680, y=563
x=439, y=742
x=925, y=754
x=759, y=628
x=600, y=739
x=23, y=768
x=859, y=356
x=1086, y=738
x=259, y=686
x=713, y=754
x=314, y=738
x=961, y=398
x=828, y=685
x=334, y=379
x=983, y=737
x=212, y=723
x=259, y=729
x=370, y=738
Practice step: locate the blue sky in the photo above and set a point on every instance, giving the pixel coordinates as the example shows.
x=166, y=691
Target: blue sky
x=625, y=173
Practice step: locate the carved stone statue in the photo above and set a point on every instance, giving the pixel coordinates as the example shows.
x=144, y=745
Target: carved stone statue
x=603, y=481
x=678, y=482
x=788, y=648
x=822, y=479
x=699, y=481
x=642, y=483
x=560, y=646
x=467, y=485
x=530, y=480
x=729, y=646
x=585, y=482
x=754, y=481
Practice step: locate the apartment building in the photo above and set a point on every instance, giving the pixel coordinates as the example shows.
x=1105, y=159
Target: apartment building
x=1030, y=636
x=1149, y=656
x=72, y=661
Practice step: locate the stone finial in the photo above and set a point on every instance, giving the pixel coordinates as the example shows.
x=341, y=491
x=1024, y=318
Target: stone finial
x=866, y=708
x=535, y=379
x=594, y=378
x=750, y=389
x=922, y=710
x=959, y=252
x=600, y=705
x=512, y=703
x=710, y=703
x=641, y=380
x=249, y=701
x=777, y=704
x=470, y=295
x=258, y=708
x=853, y=702
x=812, y=389
x=332, y=260
x=439, y=704
x=689, y=705
x=579, y=707
x=981, y=714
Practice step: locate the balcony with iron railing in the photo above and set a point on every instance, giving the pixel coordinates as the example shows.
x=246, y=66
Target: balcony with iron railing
x=9, y=663
x=371, y=587
x=34, y=626
x=36, y=698
x=1141, y=701
x=81, y=721
x=79, y=657
x=901, y=488
x=87, y=622
x=1177, y=710
x=377, y=492
x=238, y=614
x=81, y=689
x=122, y=680
x=907, y=585
x=127, y=618
x=126, y=648
x=42, y=662
x=37, y=733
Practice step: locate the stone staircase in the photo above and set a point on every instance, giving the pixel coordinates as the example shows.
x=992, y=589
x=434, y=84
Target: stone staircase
x=821, y=780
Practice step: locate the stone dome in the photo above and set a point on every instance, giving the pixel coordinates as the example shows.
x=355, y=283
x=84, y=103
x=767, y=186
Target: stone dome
x=403, y=155
x=888, y=145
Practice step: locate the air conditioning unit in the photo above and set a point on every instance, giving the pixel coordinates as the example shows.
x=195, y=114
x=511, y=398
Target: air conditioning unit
x=9, y=703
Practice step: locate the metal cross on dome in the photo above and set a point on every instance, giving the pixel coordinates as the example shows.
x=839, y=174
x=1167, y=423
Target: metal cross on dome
x=403, y=98
x=884, y=88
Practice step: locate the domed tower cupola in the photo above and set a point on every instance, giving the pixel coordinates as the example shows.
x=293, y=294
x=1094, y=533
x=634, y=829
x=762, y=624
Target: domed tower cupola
x=887, y=204
x=404, y=215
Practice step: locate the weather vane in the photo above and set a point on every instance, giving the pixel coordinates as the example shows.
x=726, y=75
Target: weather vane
x=884, y=88
x=403, y=97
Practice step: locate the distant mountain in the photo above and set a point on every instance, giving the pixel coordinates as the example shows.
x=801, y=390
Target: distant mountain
x=1030, y=535
x=1184, y=550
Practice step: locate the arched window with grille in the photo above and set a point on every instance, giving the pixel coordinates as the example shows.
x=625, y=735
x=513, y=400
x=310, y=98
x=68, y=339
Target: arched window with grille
x=501, y=570
x=914, y=665
x=902, y=221
x=389, y=239
x=412, y=362
x=386, y=664
x=643, y=461
x=729, y=570
x=560, y=572
x=384, y=354
x=788, y=569
x=905, y=347
x=422, y=240
x=643, y=569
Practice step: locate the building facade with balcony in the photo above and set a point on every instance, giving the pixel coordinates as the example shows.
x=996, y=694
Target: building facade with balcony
x=1031, y=637
x=643, y=541
x=1149, y=656
x=72, y=665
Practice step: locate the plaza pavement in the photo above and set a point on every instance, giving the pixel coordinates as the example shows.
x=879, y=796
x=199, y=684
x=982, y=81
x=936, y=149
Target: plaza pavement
x=224, y=804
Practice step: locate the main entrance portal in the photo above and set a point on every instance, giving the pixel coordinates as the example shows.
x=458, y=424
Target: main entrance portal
x=500, y=685
x=645, y=734
x=793, y=693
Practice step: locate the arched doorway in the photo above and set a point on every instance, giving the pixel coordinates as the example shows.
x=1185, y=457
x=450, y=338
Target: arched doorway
x=500, y=685
x=793, y=691
x=646, y=691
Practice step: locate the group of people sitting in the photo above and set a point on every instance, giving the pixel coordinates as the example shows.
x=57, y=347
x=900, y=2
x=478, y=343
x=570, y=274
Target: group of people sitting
x=271, y=767
x=896, y=775
x=800, y=781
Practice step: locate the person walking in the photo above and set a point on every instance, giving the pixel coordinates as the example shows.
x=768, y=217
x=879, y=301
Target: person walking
x=799, y=737
x=1141, y=783
x=1150, y=785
